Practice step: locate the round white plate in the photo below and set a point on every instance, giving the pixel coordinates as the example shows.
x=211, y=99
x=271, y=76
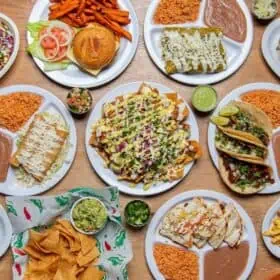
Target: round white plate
x=5, y=231
x=15, y=33
x=269, y=216
x=73, y=76
x=236, y=52
x=97, y=162
x=235, y=95
x=50, y=104
x=270, y=41
x=153, y=236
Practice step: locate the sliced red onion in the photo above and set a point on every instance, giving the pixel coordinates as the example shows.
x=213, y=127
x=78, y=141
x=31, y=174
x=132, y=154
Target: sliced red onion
x=65, y=27
x=56, y=42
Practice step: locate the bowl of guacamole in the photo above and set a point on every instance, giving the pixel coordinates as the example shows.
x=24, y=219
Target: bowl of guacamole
x=89, y=215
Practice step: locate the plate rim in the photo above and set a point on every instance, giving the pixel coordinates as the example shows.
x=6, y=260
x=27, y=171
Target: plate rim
x=265, y=51
x=232, y=95
x=70, y=122
x=8, y=229
x=188, y=78
x=91, y=153
x=269, y=215
x=179, y=198
x=94, y=84
x=13, y=57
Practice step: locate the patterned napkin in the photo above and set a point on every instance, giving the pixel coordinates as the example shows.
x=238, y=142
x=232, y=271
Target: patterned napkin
x=39, y=211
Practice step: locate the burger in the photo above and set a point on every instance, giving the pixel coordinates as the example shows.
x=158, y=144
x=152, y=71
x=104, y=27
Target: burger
x=93, y=48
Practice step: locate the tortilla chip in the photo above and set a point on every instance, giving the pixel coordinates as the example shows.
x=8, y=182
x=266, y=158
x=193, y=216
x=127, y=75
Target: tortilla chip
x=65, y=271
x=83, y=260
x=92, y=273
x=51, y=242
x=87, y=243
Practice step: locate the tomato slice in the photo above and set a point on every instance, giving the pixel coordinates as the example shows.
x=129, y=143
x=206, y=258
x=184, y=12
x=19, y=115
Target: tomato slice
x=48, y=43
x=60, y=34
x=61, y=53
x=49, y=53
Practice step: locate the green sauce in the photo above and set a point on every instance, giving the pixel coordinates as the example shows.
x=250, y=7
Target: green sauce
x=137, y=213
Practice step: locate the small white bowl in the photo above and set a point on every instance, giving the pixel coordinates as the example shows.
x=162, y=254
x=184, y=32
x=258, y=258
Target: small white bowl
x=12, y=26
x=73, y=222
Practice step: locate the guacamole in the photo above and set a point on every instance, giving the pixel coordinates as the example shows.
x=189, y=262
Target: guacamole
x=89, y=215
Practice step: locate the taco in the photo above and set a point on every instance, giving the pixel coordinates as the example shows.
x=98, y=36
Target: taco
x=249, y=124
x=244, y=176
x=238, y=148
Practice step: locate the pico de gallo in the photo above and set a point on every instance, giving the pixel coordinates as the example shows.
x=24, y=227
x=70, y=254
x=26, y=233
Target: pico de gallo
x=7, y=42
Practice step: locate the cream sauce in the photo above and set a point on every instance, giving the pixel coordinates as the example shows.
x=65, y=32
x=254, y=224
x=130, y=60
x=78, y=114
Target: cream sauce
x=227, y=15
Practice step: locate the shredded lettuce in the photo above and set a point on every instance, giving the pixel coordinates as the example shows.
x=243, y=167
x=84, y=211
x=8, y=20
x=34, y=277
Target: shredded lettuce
x=37, y=51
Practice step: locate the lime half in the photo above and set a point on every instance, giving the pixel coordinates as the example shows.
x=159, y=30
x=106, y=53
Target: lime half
x=204, y=99
x=219, y=121
x=229, y=110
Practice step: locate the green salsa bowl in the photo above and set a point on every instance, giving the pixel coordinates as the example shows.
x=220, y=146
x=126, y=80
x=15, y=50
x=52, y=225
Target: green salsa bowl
x=88, y=215
x=137, y=213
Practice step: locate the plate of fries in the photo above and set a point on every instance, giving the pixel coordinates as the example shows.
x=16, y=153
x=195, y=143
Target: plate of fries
x=271, y=229
x=116, y=15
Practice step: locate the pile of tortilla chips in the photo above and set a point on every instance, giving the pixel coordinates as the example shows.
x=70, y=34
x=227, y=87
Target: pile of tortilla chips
x=61, y=253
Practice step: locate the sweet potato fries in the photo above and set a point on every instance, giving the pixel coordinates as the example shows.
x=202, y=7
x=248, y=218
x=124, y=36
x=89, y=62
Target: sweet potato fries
x=80, y=13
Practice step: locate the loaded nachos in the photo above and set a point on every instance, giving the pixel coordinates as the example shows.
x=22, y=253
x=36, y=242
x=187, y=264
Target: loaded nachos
x=144, y=137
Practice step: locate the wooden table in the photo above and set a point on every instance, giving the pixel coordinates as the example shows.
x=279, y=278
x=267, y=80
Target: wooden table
x=203, y=174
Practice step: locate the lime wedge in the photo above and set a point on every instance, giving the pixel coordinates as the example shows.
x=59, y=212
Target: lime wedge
x=204, y=98
x=228, y=111
x=220, y=121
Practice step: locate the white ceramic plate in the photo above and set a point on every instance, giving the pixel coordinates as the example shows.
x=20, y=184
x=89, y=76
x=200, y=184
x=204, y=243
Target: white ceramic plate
x=5, y=231
x=235, y=95
x=50, y=104
x=73, y=76
x=236, y=52
x=14, y=30
x=153, y=236
x=269, y=216
x=97, y=162
x=270, y=41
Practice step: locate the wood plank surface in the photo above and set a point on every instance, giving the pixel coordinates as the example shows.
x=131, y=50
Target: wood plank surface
x=202, y=176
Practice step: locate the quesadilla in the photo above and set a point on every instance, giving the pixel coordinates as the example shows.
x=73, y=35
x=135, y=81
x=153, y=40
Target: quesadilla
x=234, y=226
x=39, y=148
x=219, y=222
x=243, y=175
x=224, y=142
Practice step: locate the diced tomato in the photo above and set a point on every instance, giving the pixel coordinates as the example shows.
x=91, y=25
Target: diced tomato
x=60, y=34
x=48, y=43
x=49, y=53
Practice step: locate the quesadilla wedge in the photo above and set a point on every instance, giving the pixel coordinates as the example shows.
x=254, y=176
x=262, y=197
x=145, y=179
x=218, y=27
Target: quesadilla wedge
x=235, y=147
x=219, y=222
x=243, y=175
x=248, y=123
x=234, y=226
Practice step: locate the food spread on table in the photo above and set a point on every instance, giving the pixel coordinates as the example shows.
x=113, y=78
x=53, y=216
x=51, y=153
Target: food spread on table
x=6, y=147
x=7, y=42
x=144, y=137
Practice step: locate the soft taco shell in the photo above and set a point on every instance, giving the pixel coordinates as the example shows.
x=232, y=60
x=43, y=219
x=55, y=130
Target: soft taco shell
x=258, y=116
x=224, y=175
